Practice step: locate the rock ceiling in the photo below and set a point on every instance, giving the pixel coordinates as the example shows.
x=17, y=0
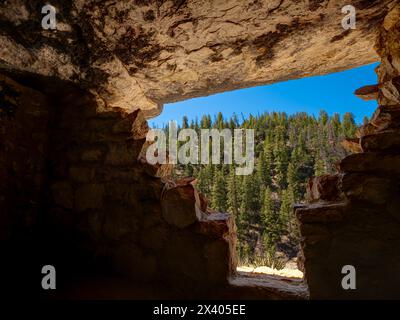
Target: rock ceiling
x=141, y=54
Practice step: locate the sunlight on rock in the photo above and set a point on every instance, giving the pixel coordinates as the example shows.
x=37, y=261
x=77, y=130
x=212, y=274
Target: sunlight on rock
x=286, y=272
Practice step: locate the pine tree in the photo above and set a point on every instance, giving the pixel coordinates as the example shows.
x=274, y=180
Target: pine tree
x=205, y=179
x=233, y=193
x=188, y=170
x=323, y=117
x=250, y=205
x=281, y=159
x=267, y=210
x=263, y=171
x=319, y=167
x=220, y=121
x=271, y=226
x=269, y=161
x=185, y=122
x=218, y=194
x=202, y=184
x=348, y=125
x=293, y=178
x=286, y=209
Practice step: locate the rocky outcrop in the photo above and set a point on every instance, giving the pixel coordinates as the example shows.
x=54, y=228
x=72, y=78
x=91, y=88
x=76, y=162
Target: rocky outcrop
x=367, y=92
x=354, y=216
x=140, y=54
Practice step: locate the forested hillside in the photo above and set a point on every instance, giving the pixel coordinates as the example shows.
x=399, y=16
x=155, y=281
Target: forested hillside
x=288, y=150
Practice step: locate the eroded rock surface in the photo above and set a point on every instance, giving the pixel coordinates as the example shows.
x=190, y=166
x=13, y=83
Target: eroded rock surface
x=140, y=54
x=361, y=227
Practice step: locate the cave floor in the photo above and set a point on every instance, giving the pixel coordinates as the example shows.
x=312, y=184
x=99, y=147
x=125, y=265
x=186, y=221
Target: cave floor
x=268, y=286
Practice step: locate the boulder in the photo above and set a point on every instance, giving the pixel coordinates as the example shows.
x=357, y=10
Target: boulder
x=352, y=145
x=178, y=206
x=324, y=187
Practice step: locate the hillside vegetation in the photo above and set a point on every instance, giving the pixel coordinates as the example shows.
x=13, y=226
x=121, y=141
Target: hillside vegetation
x=288, y=150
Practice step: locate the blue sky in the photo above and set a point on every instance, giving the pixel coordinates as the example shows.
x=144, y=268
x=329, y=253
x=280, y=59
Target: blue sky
x=333, y=93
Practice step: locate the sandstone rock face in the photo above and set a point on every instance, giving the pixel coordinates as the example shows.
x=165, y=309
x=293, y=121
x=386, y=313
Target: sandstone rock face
x=140, y=54
x=361, y=228
x=178, y=205
x=367, y=92
x=352, y=145
x=323, y=188
x=384, y=140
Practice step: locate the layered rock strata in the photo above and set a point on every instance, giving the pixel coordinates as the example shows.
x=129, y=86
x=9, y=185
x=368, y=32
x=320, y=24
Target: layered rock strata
x=353, y=218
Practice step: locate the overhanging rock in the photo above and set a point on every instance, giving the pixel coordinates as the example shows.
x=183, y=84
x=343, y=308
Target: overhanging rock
x=140, y=54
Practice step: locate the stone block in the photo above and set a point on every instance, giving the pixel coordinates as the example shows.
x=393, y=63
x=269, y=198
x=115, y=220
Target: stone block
x=352, y=145
x=388, y=140
x=218, y=263
x=93, y=154
x=367, y=188
x=184, y=258
x=386, y=117
x=178, y=206
x=130, y=261
x=82, y=174
x=89, y=196
x=371, y=162
x=314, y=229
x=321, y=212
x=324, y=187
x=217, y=225
x=126, y=193
x=63, y=194
x=390, y=90
x=155, y=238
x=119, y=222
x=122, y=175
x=122, y=154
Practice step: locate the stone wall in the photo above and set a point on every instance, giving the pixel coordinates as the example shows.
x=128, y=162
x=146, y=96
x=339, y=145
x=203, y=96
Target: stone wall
x=101, y=210
x=24, y=116
x=354, y=217
x=24, y=119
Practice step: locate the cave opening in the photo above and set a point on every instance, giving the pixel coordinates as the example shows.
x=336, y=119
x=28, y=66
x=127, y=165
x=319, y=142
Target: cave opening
x=302, y=128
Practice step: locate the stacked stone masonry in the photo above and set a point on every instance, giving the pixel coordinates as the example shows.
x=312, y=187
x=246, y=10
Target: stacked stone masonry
x=354, y=217
x=109, y=213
